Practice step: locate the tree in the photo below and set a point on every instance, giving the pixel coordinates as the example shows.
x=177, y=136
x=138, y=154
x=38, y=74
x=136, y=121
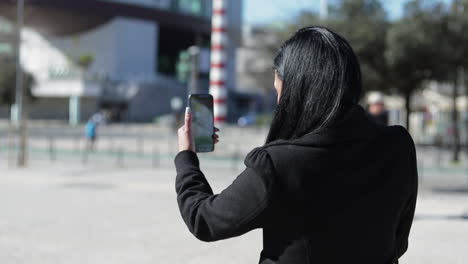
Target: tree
x=255, y=58
x=452, y=41
x=7, y=96
x=411, y=53
x=427, y=43
x=8, y=83
x=364, y=23
x=85, y=61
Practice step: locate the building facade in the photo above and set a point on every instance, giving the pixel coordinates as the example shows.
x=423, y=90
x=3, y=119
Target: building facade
x=120, y=55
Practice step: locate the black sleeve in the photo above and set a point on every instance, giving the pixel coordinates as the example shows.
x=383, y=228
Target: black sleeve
x=241, y=207
x=407, y=215
x=404, y=227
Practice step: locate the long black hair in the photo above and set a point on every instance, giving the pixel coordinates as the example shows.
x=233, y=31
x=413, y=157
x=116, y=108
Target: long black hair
x=321, y=81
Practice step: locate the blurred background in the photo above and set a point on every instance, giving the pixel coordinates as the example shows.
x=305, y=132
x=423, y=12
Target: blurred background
x=92, y=92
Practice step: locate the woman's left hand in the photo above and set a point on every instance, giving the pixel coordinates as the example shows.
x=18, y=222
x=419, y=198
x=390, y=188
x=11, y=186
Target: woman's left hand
x=185, y=136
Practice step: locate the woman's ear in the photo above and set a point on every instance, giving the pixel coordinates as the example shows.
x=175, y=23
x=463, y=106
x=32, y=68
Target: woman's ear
x=278, y=83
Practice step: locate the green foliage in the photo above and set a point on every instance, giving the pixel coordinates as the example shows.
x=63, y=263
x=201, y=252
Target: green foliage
x=8, y=83
x=410, y=50
x=7, y=86
x=183, y=66
x=85, y=60
x=451, y=40
x=264, y=120
x=364, y=24
x=428, y=42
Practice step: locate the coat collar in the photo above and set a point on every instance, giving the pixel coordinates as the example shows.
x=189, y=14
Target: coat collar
x=356, y=124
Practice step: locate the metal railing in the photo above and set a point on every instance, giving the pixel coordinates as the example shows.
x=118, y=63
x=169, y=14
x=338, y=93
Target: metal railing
x=122, y=145
x=155, y=146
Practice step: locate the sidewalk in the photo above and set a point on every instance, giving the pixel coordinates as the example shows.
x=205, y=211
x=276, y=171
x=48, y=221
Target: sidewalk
x=74, y=214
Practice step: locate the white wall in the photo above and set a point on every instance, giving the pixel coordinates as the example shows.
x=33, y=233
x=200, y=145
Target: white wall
x=136, y=44
x=122, y=49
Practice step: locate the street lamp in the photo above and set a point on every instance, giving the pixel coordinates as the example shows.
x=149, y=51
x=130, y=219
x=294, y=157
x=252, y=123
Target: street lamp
x=21, y=125
x=323, y=9
x=19, y=72
x=194, y=52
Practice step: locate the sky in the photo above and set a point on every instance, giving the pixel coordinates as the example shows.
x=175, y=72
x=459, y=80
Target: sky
x=264, y=11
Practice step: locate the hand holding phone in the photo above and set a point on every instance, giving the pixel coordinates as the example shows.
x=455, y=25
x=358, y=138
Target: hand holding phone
x=184, y=133
x=202, y=122
x=185, y=136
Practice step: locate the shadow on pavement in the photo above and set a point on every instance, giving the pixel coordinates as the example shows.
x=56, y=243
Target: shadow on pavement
x=92, y=186
x=462, y=190
x=441, y=217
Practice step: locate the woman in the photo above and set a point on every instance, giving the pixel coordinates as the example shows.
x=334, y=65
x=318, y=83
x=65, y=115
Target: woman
x=329, y=185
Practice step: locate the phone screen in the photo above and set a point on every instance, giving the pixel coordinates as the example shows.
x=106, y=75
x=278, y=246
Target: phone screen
x=201, y=106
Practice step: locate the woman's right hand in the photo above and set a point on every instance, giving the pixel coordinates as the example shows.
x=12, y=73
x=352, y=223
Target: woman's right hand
x=184, y=133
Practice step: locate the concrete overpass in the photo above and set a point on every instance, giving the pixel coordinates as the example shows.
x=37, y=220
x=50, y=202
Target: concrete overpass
x=64, y=17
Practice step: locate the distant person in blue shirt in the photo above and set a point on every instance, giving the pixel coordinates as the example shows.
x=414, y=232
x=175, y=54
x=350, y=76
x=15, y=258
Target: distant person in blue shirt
x=99, y=118
x=91, y=129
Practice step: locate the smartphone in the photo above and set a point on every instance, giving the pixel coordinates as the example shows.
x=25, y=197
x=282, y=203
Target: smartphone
x=201, y=106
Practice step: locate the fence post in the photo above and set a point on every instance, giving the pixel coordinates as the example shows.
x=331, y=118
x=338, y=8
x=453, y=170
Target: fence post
x=156, y=161
x=420, y=165
x=85, y=152
x=111, y=144
x=169, y=142
x=141, y=148
x=120, y=158
x=77, y=143
x=52, y=155
x=11, y=148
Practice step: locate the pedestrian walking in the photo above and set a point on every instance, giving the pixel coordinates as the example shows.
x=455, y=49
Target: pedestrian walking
x=376, y=108
x=91, y=134
x=91, y=127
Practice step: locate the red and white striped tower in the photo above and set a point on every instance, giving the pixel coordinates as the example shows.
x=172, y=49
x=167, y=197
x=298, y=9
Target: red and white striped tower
x=218, y=74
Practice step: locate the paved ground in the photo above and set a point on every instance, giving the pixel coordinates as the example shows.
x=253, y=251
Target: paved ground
x=119, y=206
x=60, y=212
x=97, y=215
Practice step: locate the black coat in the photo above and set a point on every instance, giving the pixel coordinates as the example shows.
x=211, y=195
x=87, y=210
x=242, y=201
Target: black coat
x=343, y=195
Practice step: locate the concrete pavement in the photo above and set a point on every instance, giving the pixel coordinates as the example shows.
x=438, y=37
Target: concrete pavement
x=65, y=213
